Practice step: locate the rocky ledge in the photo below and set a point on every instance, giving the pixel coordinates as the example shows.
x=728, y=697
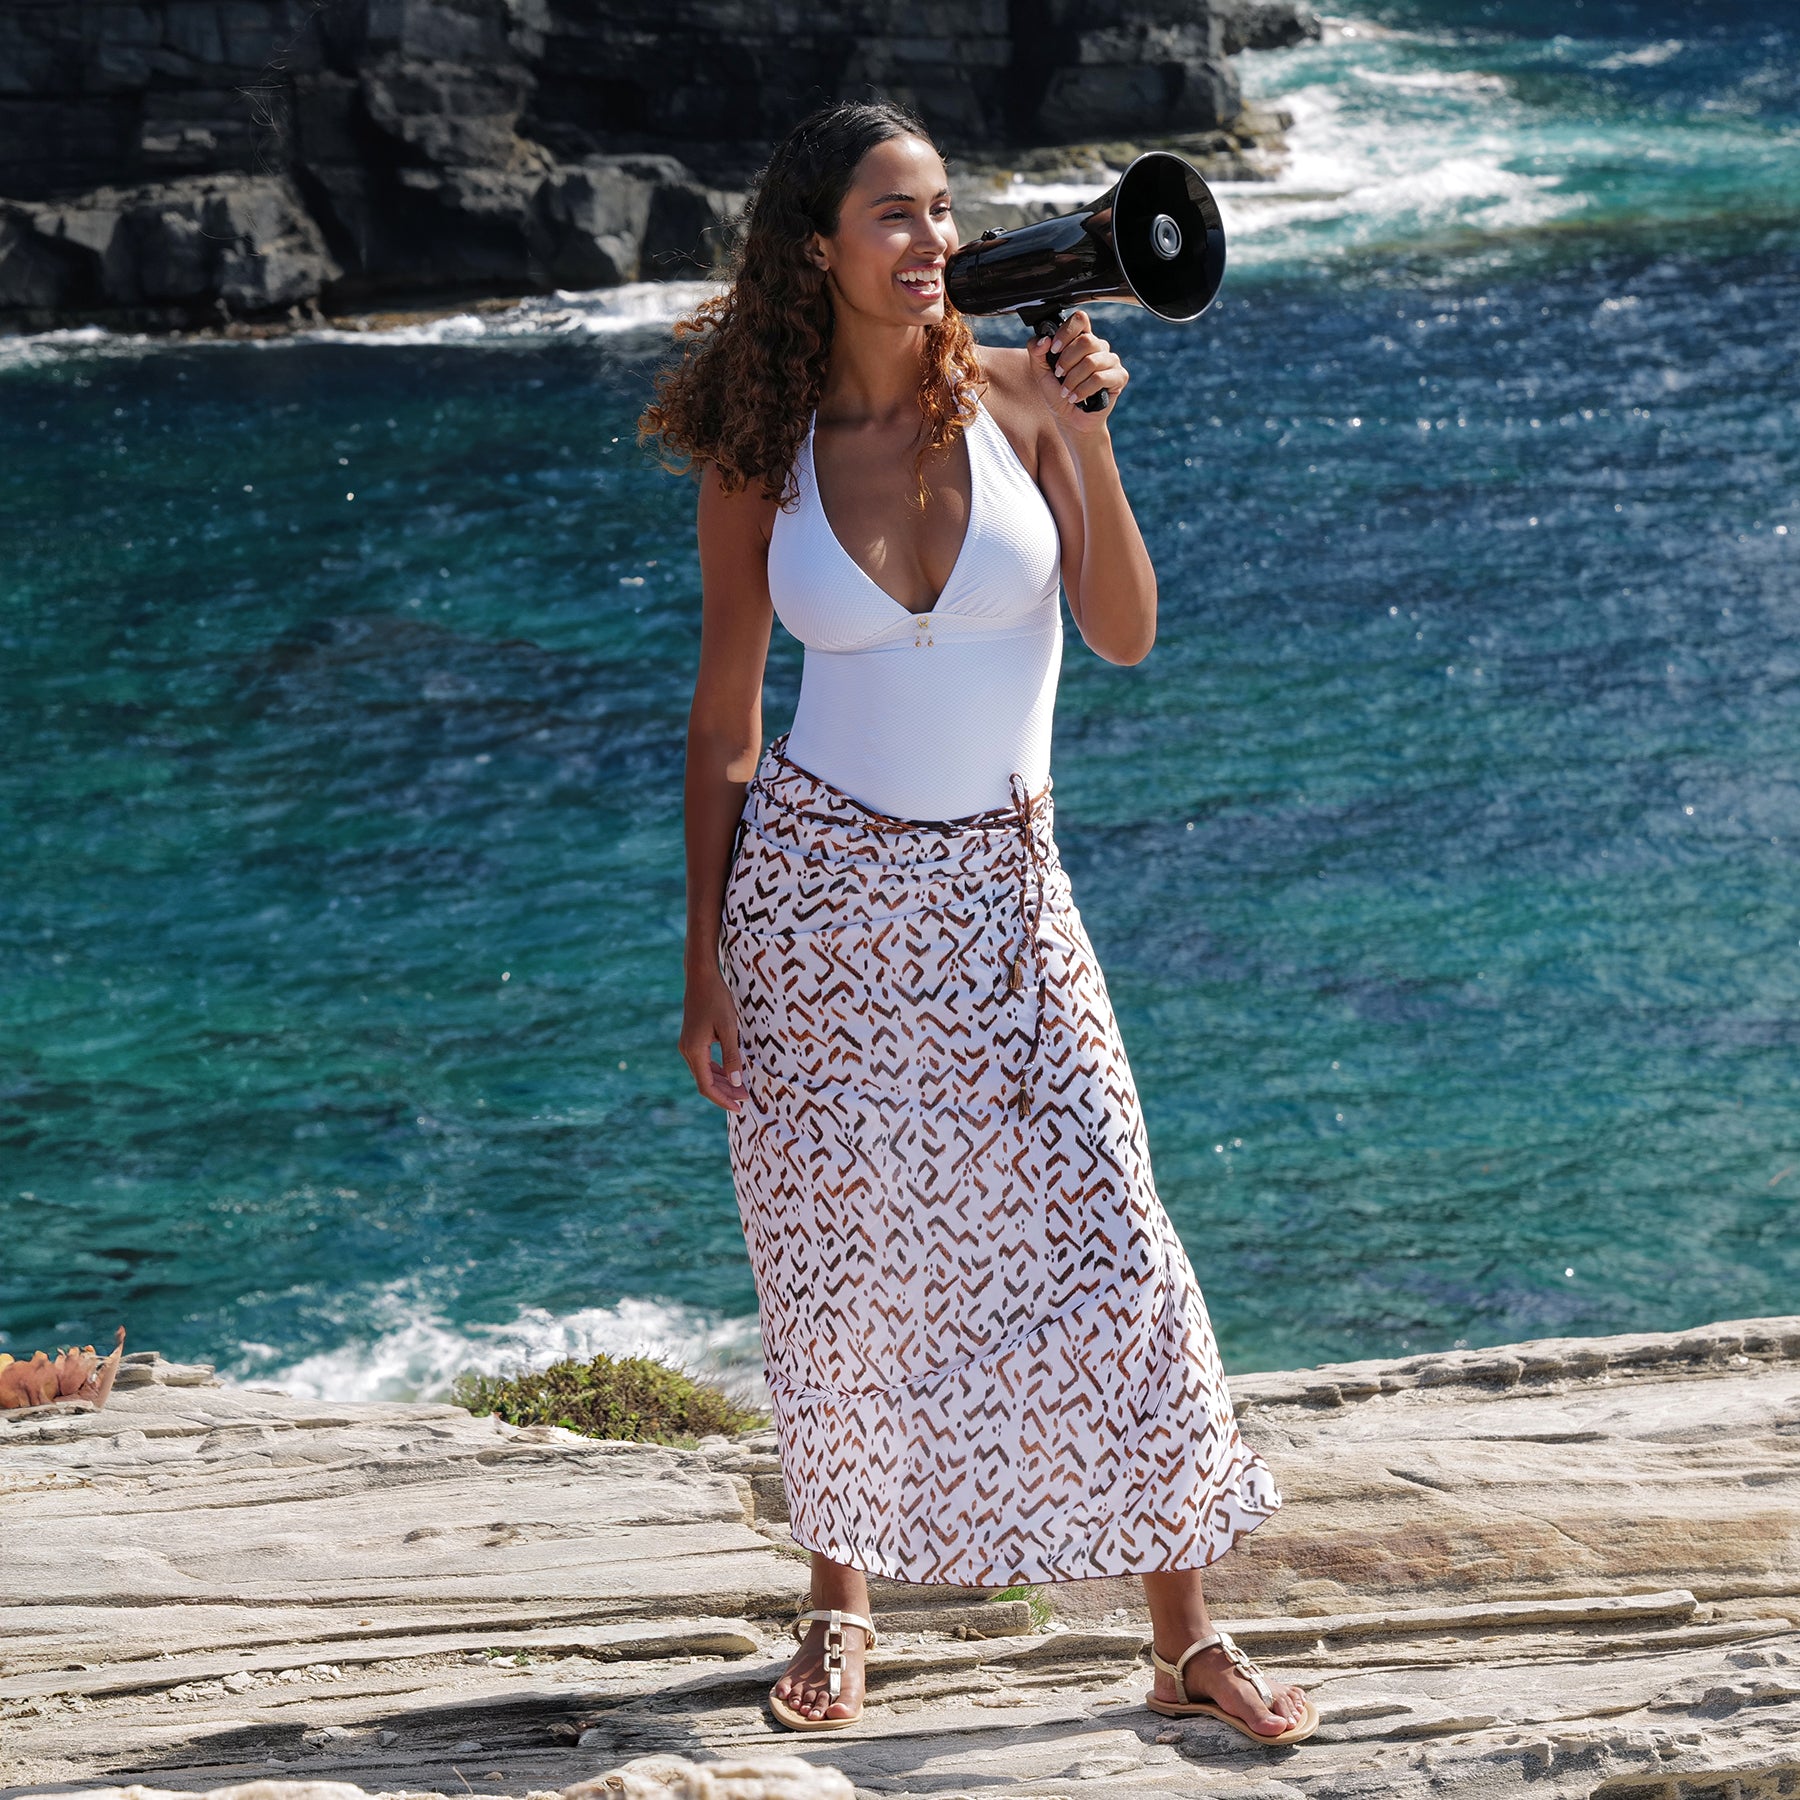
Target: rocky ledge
x=1565, y=1566
x=178, y=163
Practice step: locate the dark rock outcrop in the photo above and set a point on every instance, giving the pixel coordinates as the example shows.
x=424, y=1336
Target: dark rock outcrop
x=172, y=161
x=1265, y=25
x=231, y=244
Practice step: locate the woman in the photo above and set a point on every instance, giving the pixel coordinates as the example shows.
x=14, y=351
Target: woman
x=988, y=1354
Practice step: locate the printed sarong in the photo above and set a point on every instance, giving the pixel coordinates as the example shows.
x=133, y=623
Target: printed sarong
x=988, y=1353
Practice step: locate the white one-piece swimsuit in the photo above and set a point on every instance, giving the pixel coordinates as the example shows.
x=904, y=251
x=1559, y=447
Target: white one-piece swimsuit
x=927, y=715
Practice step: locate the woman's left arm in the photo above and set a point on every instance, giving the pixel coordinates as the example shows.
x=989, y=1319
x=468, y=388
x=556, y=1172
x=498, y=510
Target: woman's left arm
x=1107, y=573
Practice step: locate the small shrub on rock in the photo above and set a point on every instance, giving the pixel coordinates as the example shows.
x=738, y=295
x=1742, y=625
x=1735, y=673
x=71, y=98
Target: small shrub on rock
x=632, y=1397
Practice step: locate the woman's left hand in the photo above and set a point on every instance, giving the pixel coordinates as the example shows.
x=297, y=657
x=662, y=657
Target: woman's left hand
x=1086, y=365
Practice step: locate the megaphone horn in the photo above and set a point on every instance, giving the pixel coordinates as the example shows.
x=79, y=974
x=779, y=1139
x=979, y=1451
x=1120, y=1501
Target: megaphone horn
x=1154, y=238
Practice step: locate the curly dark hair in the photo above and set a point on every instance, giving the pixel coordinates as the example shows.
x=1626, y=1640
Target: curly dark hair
x=744, y=388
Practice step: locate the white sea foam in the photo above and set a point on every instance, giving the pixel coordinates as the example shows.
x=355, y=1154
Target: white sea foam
x=1434, y=81
x=606, y=312
x=1646, y=57
x=649, y=307
x=1057, y=193
x=1386, y=144
x=415, y=1353
x=1334, y=27
x=29, y=349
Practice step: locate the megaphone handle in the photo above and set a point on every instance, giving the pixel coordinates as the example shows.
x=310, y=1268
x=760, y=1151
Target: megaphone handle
x=1046, y=325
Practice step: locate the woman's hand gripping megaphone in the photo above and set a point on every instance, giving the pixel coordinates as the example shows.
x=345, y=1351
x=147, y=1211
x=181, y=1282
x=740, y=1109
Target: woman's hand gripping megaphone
x=1078, y=373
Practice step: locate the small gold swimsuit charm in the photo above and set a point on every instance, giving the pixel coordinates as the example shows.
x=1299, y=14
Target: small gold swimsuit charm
x=1015, y=980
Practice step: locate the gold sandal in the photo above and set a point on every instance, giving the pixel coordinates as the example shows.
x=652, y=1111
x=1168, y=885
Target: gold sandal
x=835, y=1620
x=1187, y=1706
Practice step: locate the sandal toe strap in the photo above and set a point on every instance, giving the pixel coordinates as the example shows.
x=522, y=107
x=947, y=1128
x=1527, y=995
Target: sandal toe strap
x=834, y=1620
x=1249, y=1668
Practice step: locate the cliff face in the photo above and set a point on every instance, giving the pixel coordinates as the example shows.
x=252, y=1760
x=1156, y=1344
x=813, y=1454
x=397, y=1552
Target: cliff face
x=980, y=71
x=177, y=160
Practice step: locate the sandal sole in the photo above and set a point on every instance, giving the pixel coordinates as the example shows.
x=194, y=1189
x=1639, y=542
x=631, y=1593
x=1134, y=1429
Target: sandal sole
x=1202, y=1709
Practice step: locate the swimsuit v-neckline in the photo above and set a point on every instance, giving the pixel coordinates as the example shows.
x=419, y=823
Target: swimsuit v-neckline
x=962, y=550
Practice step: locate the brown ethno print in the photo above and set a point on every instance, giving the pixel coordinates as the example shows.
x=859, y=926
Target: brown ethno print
x=988, y=1353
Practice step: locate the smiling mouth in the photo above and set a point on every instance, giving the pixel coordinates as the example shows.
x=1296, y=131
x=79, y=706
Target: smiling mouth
x=928, y=284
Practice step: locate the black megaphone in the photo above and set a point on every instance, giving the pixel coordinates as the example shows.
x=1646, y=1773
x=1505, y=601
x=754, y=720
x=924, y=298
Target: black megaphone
x=1154, y=238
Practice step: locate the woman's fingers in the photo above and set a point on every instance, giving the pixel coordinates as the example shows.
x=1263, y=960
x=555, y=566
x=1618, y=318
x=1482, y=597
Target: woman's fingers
x=1074, y=350
x=715, y=1078
x=1073, y=340
x=725, y=1086
x=1083, y=363
x=728, y=1072
x=1092, y=375
x=1076, y=369
x=722, y=1081
x=1075, y=325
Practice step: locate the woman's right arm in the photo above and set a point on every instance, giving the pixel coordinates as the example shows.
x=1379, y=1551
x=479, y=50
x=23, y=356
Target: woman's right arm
x=723, y=747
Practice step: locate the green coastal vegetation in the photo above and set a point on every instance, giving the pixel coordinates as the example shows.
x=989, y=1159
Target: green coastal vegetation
x=637, y=1398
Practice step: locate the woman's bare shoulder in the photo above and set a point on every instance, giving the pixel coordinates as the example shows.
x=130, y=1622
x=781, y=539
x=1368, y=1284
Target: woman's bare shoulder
x=1007, y=368
x=735, y=514
x=1013, y=399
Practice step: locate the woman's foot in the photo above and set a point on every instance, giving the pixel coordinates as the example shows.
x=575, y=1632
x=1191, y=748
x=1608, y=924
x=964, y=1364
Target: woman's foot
x=803, y=1684
x=1211, y=1675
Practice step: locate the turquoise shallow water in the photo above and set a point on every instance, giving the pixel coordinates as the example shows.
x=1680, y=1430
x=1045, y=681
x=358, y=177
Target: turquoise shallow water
x=1442, y=856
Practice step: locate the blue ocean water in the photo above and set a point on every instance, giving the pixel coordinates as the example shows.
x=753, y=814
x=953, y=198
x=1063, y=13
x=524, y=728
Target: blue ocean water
x=1441, y=857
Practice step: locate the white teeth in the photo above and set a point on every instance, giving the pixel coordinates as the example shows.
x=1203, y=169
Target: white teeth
x=924, y=282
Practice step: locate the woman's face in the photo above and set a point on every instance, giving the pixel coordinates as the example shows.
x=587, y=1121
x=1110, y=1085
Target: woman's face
x=894, y=235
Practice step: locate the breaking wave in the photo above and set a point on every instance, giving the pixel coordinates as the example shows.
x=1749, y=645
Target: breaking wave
x=420, y=1353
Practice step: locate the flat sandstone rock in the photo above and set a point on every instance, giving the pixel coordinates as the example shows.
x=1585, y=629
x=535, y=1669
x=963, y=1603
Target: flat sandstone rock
x=1565, y=1566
